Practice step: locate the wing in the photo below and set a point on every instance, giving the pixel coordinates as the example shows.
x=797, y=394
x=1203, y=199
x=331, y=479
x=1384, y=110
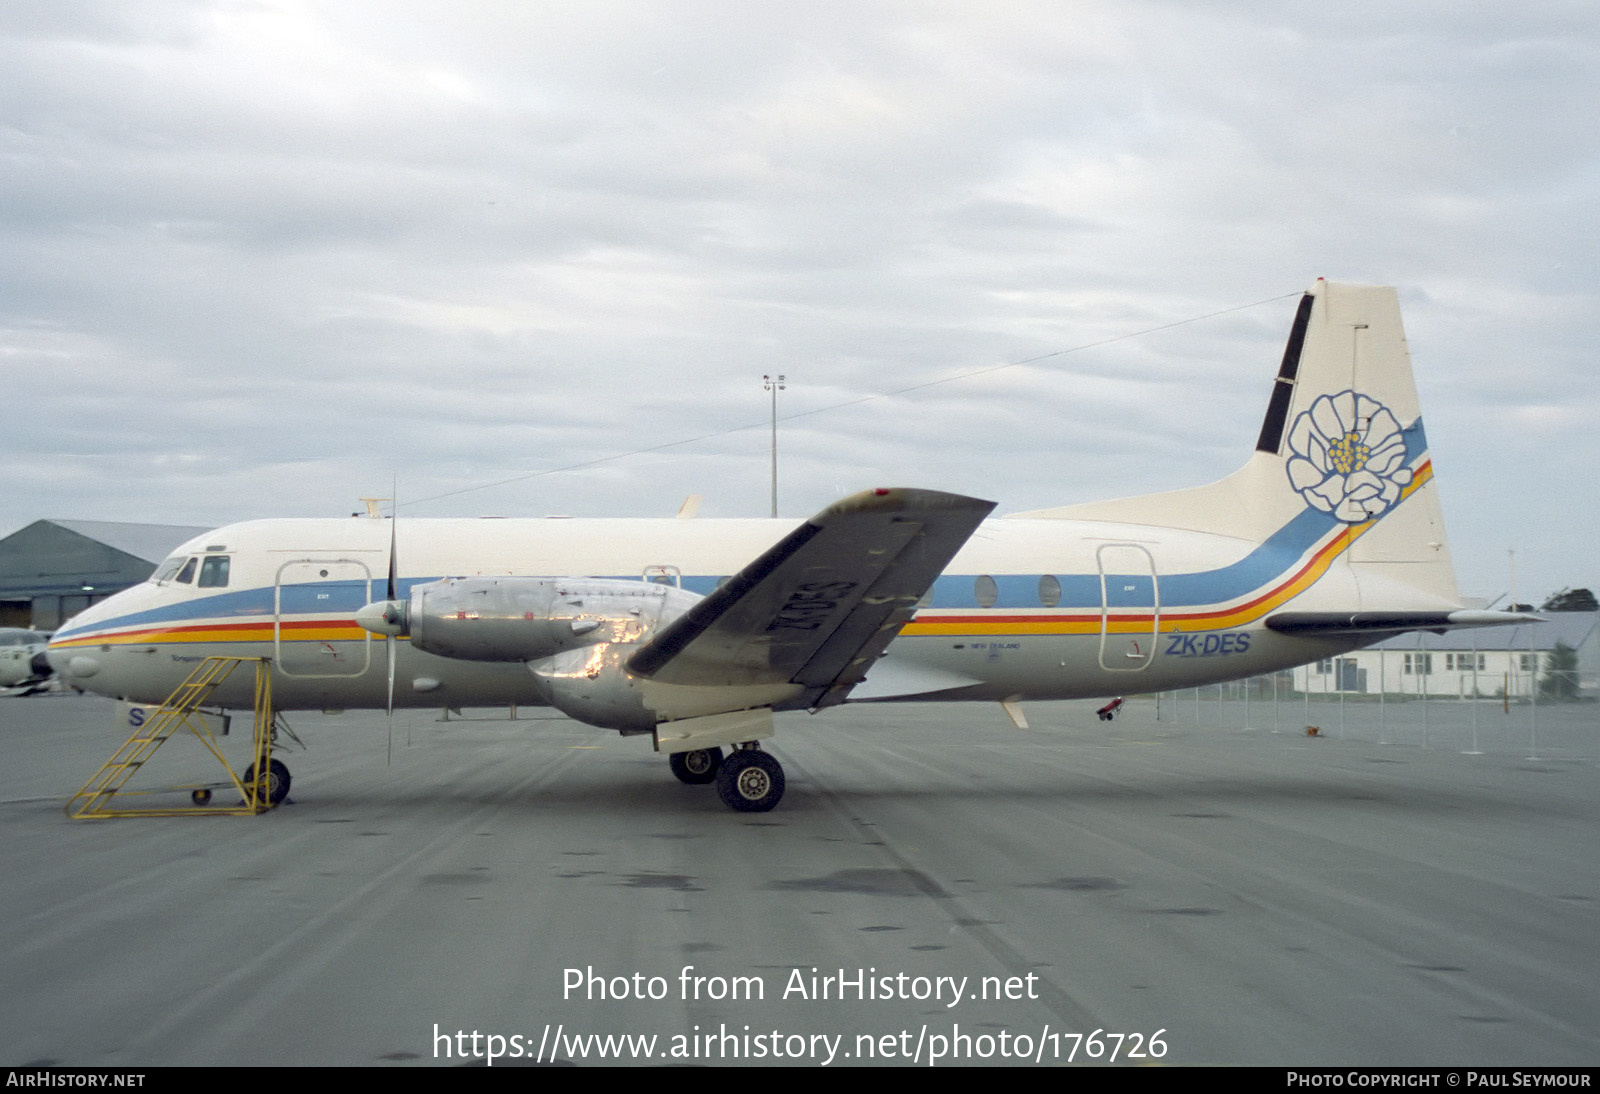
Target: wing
x=819, y=607
x=1380, y=624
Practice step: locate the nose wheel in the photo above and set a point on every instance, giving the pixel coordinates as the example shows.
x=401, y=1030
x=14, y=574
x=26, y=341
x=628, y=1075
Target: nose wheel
x=750, y=781
x=277, y=780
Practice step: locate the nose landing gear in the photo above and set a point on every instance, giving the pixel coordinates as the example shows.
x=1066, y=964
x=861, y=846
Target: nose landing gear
x=277, y=781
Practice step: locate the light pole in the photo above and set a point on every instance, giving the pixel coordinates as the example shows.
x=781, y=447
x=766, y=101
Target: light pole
x=774, y=386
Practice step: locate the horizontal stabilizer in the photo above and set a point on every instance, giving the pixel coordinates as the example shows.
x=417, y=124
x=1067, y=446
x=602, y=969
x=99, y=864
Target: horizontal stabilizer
x=819, y=607
x=1377, y=623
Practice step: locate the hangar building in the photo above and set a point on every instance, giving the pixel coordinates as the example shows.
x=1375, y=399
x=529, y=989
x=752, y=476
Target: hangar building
x=53, y=569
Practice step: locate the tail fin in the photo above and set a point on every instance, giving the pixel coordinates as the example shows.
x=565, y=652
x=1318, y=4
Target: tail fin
x=1342, y=443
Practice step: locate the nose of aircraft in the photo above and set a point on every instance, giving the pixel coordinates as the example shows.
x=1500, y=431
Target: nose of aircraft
x=71, y=664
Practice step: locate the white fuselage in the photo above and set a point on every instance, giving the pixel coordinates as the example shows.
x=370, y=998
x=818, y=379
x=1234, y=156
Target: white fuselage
x=1029, y=608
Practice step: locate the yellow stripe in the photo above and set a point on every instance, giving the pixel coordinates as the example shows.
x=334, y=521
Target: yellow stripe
x=253, y=632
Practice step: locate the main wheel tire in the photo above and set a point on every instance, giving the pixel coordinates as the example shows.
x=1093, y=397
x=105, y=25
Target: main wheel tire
x=277, y=781
x=697, y=767
x=750, y=781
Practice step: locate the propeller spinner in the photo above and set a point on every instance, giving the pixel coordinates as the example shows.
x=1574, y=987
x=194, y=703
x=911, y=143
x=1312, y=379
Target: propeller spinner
x=384, y=617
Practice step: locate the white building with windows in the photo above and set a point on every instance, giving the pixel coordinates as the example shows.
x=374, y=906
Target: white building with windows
x=1488, y=662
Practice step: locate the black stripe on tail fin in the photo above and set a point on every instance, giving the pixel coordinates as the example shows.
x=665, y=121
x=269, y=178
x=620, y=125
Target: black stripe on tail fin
x=1271, y=440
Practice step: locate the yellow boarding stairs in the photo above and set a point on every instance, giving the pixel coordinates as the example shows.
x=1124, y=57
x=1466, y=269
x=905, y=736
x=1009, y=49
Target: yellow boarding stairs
x=263, y=785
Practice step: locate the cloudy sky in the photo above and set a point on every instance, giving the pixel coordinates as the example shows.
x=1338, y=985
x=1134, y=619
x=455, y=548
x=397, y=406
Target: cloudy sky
x=264, y=258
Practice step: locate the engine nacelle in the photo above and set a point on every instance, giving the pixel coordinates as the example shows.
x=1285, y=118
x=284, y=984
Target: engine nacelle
x=531, y=618
x=594, y=685
x=575, y=635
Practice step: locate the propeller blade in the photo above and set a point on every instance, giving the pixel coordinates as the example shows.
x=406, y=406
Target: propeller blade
x=394, y=536
x=390, y=596
x=389, y=644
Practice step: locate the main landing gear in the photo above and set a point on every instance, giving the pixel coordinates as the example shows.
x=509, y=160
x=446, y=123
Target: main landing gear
x=748, y=780
x=698, y=767
x=751, y=781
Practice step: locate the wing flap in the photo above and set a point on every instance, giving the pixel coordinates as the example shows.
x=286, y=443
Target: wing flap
x=822, y=604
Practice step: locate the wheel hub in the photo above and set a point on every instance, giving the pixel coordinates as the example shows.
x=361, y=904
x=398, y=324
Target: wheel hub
x=754, y=783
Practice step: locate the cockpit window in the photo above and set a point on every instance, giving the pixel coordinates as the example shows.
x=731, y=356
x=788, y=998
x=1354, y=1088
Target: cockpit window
x=186, y=575
x=214, y=572
x=168, y=569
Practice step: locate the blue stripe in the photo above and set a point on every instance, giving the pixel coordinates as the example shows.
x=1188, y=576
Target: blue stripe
x=309, y=598
x=1267, y=562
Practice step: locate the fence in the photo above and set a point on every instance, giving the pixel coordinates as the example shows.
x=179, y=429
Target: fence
x=1516, y=726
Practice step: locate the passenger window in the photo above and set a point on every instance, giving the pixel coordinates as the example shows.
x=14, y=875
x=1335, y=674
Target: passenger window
x=186, y=575
x=1049, y=591
x=214, y=572
x=985, y=591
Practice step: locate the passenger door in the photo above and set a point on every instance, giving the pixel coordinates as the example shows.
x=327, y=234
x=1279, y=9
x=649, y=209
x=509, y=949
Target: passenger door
x=313, y=630
x=1130, y=607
